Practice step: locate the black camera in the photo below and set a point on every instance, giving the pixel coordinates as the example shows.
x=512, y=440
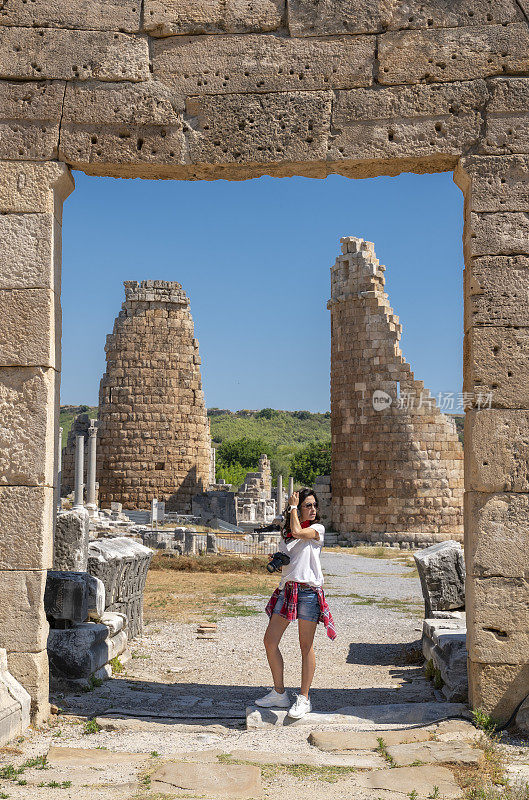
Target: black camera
x=277, y=561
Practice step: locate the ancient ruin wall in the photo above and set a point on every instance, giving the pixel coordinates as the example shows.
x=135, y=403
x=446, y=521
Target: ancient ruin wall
x=235, y=90
x=397, y=463
x=80, y=427
x=154, y=431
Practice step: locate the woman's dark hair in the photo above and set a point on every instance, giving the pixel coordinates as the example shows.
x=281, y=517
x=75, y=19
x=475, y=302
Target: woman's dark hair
x=304, y=493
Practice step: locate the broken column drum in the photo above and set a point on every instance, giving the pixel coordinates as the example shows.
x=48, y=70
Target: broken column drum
x=153, y=429
x=397, y=463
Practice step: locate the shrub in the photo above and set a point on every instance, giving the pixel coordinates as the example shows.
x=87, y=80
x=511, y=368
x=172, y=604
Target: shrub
x=244, y=452
x=311, y=461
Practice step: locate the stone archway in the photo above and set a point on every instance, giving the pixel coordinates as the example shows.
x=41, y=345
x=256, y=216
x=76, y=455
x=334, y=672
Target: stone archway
x=166, y=90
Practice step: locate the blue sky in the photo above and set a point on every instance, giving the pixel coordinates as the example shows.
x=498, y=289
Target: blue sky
x=254, y=258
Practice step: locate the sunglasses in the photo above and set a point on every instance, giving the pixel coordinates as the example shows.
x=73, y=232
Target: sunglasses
x=309, y=505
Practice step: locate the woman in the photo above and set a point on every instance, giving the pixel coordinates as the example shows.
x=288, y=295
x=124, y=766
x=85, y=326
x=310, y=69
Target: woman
x=299, y=596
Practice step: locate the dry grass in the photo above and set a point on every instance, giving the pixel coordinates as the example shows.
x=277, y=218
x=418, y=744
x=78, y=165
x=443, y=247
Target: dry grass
x=215, y=564
x=487, y=780
x=192, y=596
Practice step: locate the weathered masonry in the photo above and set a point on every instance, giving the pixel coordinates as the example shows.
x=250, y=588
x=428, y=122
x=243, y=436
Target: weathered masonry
x=309, y=88
x=153, y=428
x=397, y=463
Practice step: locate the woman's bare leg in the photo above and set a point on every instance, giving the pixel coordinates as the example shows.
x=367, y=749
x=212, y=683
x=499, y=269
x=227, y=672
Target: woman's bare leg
x=275, y=630
x=306, y=631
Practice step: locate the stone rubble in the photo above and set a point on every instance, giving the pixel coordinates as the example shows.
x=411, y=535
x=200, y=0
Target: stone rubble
x=441, y=569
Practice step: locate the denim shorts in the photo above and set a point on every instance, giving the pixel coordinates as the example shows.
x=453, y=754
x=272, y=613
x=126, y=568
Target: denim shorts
x=308, y=604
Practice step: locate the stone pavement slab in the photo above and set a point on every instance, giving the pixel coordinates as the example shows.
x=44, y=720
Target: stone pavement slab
x=81, y=757
x=422, y=780
x=213, y=780
x=360, y=760
x=109, y=723
x=434, y=753
x=373, y=717
x=330, y=741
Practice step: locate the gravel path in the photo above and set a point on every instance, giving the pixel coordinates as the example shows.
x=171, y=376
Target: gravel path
x=377, y=607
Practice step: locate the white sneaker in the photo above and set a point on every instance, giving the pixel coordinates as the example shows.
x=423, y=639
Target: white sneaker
x=274, y=700
x=300, y=707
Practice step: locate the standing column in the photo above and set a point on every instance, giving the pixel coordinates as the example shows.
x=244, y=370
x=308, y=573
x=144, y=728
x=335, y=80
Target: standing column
x=79, y=472
x=279, y=495
x=59, y=470
x=290, y=486
x=91, y=503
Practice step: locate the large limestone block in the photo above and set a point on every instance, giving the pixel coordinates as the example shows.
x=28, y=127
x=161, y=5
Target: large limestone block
x=497, y=528
x=313, y=18
x=70, y=545
x=441, y=569
x=23, y=625
x=121, y=124
x=454, y=54
x=494, y=183
x=26, y=536
x=323, y=17
x=168, y=17
x=497, y=450
x=28, y=53
x=498, y=688
x=497, y=291
x=31, y=670
x=30, y=328
x=506, y=128
x=406, y=121
x=496, y=234
x=227, y=64
x=107, y=15
x=498, y=613
x=81, y=650
x=447, y=14
x=419, y=779
x=239, y=128
x=27, y=255
x=496, y=364
x=66, y=597
x=30, y=112
x=404, y=755
x=28, y=398
x=218, y=780
x=27, y=188
x=15, y=704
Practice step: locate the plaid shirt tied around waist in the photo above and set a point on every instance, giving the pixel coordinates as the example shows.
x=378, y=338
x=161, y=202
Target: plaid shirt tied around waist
x=289, y=609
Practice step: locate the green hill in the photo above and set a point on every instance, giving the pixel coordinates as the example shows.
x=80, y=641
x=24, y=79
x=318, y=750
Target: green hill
x=284, y=431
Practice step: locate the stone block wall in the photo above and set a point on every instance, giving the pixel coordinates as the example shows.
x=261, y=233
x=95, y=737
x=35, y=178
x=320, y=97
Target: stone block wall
x=397, y=463
x=31, y=196
x=154, y=433
x=322, y=487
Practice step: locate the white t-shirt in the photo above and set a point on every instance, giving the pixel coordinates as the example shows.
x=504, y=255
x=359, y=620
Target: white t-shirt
x=304, y=555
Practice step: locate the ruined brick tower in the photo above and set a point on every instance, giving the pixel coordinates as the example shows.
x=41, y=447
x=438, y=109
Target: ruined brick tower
x=154, y=432
x=396, y=459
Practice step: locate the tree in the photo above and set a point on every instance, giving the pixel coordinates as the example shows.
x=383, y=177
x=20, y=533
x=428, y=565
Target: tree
x=311, y=461
x=244, y=451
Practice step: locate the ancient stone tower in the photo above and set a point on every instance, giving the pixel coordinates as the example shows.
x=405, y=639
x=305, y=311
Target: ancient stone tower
x=396, y=459
x=154, y=431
